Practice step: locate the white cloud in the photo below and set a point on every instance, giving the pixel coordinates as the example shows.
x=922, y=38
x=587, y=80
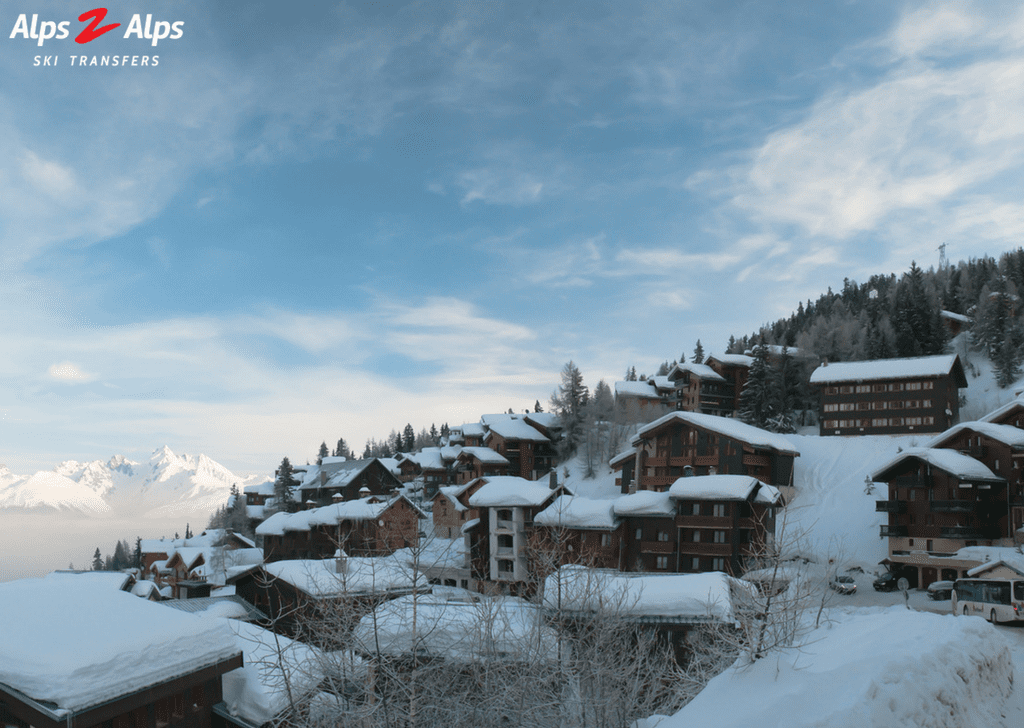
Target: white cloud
x=67, y=372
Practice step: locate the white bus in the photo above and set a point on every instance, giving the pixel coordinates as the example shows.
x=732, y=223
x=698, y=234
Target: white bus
x=997, y=600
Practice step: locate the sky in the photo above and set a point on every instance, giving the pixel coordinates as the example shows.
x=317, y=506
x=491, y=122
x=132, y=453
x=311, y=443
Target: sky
x=308, y=221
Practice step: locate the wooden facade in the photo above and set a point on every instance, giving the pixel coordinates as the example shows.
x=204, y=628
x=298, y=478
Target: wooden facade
x=862, y=398
x=394, y=527
x=351, y=480
x=936, y=507
x=673, y=447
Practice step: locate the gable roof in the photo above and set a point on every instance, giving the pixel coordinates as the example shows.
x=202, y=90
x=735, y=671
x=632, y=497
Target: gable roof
x=511, y=490
x=484, y=455
x=578, y=512
x=645, y=503
x=963, y=467
x=636, y=389
x=736, y=360
x=866, y=371
x=724, y=487
x=702, y=371
x=1006, y=434
x=1011, y=406
x=516, y=430
x=731, y=428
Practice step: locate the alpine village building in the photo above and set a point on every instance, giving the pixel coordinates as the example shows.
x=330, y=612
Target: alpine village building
x=889, y=396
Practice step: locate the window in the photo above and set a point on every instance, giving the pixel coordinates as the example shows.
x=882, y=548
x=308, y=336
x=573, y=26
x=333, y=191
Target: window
x=663, y=535
x=606, y=539
x=718, y=564
x=719, y=536
x=863, y=388
x=847, y=407
x=928, y=544
x=927, y=385
x=720, y=510
x=696, y=536
x=913, y=386
x=695, y=563
x=505, y=541
x=504, y=514
x=696, y=509
x=639, y=534
x=505, y=567
x=831, y=408
x=662, y=562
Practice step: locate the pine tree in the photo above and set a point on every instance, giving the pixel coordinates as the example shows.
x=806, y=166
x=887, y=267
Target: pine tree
x=284, y=486
x=137, y=556
x=188, y=532
x=759, y=401
x=537, y=407
x=698, y=353
x=367, y=451
x=408, y=438
x=569, y=403
x=435, y=436
x=323, y=453
x=97, y=560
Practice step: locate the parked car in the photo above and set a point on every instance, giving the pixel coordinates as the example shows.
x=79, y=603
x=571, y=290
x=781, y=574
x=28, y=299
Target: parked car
x=843, y=584
x=940, y=590
x=886, y=582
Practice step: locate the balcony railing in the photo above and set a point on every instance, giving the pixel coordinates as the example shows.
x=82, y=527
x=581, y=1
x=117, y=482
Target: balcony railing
x=657, y=547
x=910, y=481
x=969, y=532
x=888, y=531
x=890, y=506
x=953, y=506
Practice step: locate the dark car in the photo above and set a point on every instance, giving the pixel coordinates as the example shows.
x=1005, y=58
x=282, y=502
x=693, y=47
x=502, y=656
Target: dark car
x=843, y=584
x=940, y=590
x=886, y=582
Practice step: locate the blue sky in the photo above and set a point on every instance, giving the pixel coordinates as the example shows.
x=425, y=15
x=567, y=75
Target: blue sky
x=326, y=220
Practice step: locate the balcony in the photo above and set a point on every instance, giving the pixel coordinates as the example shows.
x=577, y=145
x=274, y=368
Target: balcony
x=757, y=461
x=969, y=532
x=953, y=506
x=890, y=506
x=503, y=525
x=890, y=531
x=657, y=547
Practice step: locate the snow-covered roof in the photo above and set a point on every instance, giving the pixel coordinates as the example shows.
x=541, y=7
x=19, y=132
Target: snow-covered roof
x=471, y=429
x=452, y=493
x=622, y=457
x=517, y=430
x=265, y=488
x=490, y=420
x=662, y=381
x=702, y=371
x=429, y=458
x=997, y=414
x=962, y=466
x=635, y=389
x=667, y=596
x=644, y=503
x=330, y=515
x=1010, y=563
x=510, y=491
x=341, y=472
x=277, y=671
x=544, y=419
x=723, y=487
x=115, y=645
x=578, y=512
x=320, y=578
x=741, y=360
x=863, y=371
x=457, y=630
x=723, y=426
x=955, y=316
x=1006, y=434
x=485, y=455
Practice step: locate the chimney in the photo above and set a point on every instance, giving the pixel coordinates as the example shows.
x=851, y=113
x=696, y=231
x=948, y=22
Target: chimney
x=323, y=478
x=553, y=480
x=632, y=486
x=687, y=471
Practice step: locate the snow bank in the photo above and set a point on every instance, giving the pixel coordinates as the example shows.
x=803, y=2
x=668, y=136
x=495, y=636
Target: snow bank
x=427, y=625
x=575, y=512
x=114, y=645
x=259, y=691
x=684, y=596
x=877, y=667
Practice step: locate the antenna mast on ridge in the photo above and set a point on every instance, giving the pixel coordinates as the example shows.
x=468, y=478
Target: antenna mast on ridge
x=942, y=257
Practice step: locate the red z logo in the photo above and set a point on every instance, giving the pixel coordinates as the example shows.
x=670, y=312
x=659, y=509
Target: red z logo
x=92, y=32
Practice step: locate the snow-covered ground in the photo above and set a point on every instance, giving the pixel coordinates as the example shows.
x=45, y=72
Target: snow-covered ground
x=871, y=667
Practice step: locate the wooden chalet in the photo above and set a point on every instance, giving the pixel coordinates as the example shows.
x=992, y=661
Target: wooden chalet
x=530, y=453
x=889, y=396
x=350, y=479
x=575, y=530
x=640, y=397
x=499, y=540
x=60, y=672
x=693, y=443
x=734, y=368
x=451, y=511
x=479, y=462
x=1008, y=414
x=940, y=501
x=699, y=388
x=368, y=527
